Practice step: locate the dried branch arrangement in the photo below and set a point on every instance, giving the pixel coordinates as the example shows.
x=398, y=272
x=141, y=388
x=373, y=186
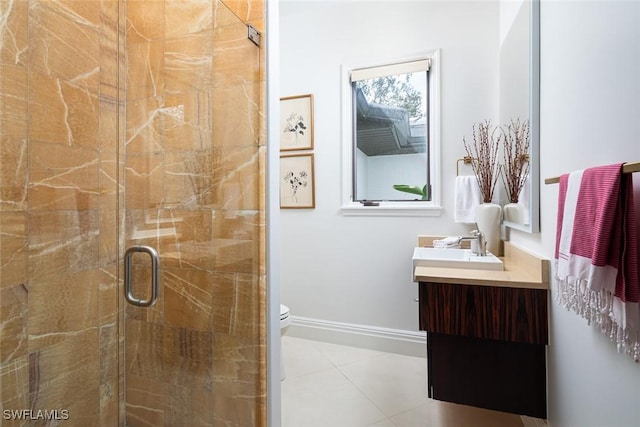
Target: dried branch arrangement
x=516, y=158
x=484, y=151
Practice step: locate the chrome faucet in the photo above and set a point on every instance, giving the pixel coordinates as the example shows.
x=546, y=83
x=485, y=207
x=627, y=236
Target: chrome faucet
x=478, y=243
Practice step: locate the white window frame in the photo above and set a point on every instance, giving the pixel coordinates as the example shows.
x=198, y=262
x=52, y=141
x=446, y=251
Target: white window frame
x=432, y=207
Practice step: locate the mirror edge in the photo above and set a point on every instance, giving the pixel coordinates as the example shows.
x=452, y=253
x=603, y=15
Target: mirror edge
x=534, y=105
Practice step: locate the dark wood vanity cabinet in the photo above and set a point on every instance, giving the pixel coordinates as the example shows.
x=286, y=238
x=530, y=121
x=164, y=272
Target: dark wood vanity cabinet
x=486, y=346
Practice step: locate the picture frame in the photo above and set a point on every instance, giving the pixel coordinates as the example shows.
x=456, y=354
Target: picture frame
x=296, y=122
x=297, y=182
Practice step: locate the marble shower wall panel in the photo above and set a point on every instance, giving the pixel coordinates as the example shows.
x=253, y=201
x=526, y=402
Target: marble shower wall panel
x=249, y=11
x=193, y=190
x=239, y=343
x=14, y=346
x=58, y=174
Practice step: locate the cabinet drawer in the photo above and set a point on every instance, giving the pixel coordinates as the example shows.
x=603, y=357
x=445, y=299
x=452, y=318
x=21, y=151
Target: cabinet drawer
x=489, y=312
x=498, y=375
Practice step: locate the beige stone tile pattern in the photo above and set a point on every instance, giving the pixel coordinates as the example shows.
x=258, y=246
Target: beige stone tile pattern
x=382, y=389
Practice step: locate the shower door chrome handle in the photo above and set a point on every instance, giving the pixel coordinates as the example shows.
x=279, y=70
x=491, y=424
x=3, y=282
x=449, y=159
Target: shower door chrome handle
x=154, y=276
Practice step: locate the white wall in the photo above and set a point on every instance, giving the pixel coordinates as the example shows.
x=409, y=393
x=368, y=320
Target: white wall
x=590, y=115
x=357, y=269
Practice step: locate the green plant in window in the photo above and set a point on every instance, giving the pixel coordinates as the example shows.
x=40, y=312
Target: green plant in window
x=423, y=192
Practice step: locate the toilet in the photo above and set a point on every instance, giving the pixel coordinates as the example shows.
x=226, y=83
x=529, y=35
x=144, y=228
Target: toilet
x=285, y=321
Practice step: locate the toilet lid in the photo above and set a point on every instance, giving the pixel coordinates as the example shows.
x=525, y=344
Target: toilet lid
x=284, y=311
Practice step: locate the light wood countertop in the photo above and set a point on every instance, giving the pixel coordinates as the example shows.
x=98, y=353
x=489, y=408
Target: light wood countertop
x=522, y=269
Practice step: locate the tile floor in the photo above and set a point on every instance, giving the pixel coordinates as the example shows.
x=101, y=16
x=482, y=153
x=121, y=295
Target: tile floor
x=330, y=385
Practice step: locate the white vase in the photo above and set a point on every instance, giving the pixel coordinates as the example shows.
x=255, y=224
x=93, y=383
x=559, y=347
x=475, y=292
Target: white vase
x=488, y=218
x=514, y=213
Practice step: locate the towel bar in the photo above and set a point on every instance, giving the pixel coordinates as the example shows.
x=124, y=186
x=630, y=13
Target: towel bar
x=467, y=161
x=630, y=167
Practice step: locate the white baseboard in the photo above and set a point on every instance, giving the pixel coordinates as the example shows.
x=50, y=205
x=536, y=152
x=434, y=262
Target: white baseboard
x=410, y=343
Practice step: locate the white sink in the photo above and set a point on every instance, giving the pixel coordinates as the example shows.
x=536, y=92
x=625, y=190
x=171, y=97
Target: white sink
x=455, y=258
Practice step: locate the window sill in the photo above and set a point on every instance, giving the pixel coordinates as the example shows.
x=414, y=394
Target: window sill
x=392, y=209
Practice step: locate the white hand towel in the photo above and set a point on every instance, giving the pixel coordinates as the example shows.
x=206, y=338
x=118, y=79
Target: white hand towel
x=523, y=201
x=468, y=197
x=447, y=242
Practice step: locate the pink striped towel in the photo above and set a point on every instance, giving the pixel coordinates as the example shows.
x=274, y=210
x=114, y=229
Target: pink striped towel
x=597, y=252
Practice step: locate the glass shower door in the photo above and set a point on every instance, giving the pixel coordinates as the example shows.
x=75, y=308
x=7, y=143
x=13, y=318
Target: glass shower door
x=130, y=125
x=191, y=193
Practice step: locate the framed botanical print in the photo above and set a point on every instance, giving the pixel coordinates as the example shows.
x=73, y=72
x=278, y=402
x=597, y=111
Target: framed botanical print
x=296, y=122
x=297, y=186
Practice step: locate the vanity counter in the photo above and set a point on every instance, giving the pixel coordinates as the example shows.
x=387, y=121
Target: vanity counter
x=487, y=332
x=521, y=270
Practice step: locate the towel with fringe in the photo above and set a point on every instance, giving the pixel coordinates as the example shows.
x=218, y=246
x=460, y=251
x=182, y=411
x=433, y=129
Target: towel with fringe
x=596, y=253
x=467, y=199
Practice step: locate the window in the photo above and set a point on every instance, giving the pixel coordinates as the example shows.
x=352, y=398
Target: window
x=392, y=134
